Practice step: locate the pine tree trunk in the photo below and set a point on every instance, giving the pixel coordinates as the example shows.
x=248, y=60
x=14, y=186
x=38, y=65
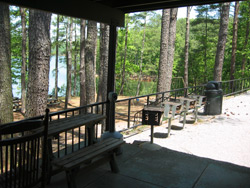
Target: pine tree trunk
x=24, y=60
x=90, y=61
x=103, y=72
x=162, y=76
x=234, y=41
x=171, y=48
x=57, y=56
x=205, y=53
x=141, y=61
x=75, y=63
x=83, y=101
x=186, y=48
x=69, y=65
x=244, y=59
x=219, y=59
x=39, y=59
x=6, y=99
x=125, y=57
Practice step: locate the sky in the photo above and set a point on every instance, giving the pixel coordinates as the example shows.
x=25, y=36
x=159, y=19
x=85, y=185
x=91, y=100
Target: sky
x=182, y=13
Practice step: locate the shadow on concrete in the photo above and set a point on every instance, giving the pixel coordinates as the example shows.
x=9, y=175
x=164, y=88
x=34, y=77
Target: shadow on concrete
x=144, y=167
x=160, y=135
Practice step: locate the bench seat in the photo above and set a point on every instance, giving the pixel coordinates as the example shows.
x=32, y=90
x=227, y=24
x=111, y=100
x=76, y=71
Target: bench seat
x=89, y=156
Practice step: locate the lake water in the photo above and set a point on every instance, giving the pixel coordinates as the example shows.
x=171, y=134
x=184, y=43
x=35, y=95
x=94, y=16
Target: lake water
x=62, y=73
x=129, y=89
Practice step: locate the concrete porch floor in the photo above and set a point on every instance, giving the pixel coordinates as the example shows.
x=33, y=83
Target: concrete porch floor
x=208, y=154
x=144, y=167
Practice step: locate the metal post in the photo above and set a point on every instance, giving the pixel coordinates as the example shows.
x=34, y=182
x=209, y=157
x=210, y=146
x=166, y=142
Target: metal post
x=152, y=134
x=110, y=122
x=129, y=108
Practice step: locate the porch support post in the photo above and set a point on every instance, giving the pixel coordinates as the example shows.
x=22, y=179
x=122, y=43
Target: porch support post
x=110, y=109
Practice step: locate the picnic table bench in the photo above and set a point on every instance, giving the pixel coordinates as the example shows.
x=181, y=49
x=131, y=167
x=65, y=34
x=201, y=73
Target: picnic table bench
x=16, y=104
x=88, y=158
x=172, y=106
x=52, y=101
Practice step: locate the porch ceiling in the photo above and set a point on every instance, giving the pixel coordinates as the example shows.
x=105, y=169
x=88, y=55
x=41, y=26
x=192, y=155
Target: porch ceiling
x=106, y=11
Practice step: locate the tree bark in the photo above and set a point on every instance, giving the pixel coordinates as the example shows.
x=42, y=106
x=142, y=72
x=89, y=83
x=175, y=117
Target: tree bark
x=171, y=47
x=39, y=59
x=243, y=66
x=57, y=56
x=103, y=72
x=219, y=59
x=234, y=41
x=69, y=65
x=205, y=53
x=90, y=61
x=6, y=105
x=24, y=60
x=141, y=61
x=162, y=76
x=82, y=65
x=75, y=63
x=186, y=48
x=125, y=57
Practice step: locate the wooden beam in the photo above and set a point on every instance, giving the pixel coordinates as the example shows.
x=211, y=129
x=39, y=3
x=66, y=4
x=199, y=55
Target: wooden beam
x=110, y=113
x=132, y=6
x=85, y=9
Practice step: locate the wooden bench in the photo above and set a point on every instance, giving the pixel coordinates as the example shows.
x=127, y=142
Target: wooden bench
x=89, y=157
x=52, y=101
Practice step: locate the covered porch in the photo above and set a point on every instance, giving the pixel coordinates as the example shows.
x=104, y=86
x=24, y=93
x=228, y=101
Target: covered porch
x=143, y=164
x=212, y=153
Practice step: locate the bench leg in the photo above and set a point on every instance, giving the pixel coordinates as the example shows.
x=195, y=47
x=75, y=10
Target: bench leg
x=70, y=174
x=196, y=113
x=184, y=119
x=169, y=126
x=113, y=163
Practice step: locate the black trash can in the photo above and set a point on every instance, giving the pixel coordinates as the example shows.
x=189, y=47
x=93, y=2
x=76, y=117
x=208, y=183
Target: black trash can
x=214, y=96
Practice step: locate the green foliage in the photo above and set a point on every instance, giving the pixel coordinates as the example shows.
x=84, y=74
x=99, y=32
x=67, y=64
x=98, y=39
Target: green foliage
x=16, y=44
x=202, y=50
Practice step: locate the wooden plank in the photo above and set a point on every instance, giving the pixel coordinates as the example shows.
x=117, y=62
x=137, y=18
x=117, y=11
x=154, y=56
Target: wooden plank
x=87, y=9
x=85, y=154
x=172, y=103
x=154, y=108
x=76, y=163
x=87, y=150
x=62, y=125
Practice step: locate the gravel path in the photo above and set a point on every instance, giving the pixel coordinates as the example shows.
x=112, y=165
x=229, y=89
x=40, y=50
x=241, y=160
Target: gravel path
x=224, y=137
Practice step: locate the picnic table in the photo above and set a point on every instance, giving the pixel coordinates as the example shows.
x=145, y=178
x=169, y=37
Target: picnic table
x=62, y=125
x=171, y=106
x=90, y=156
x=52, y=101
x=198, y=104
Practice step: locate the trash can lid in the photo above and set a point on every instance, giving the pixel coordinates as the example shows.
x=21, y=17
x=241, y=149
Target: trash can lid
x=216, y=84
x=210, y=86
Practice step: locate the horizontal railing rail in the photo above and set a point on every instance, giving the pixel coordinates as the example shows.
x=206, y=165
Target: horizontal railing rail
x=132, y=107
